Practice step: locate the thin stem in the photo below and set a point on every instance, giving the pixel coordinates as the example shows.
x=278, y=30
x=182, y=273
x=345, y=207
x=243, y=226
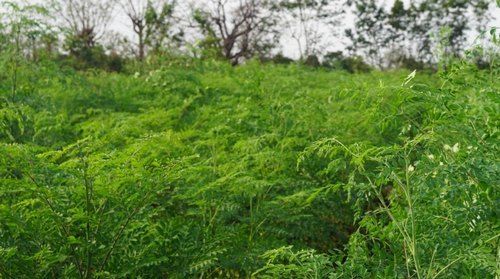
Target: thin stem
x=88, y=232
x=46, y=200
x=122, y=229
x=412, y=217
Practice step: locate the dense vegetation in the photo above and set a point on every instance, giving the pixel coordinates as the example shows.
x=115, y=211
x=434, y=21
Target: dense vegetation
x=222, y=158
x=200, y=169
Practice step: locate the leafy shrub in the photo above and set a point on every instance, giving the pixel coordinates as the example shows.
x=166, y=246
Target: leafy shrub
x=200, y=169
x=351, y=64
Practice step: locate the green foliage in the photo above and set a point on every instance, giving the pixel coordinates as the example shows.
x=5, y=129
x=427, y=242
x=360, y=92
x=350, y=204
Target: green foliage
x=337, y=61
x=199, y=169
x=285, y=263
x=90, y=57
x=426, y=205
x=408, y=35
x=159, y=23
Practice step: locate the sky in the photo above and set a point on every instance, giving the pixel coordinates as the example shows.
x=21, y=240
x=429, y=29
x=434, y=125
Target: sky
x=330, y=39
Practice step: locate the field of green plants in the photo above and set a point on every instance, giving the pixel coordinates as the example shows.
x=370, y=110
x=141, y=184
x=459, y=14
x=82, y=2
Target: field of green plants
x=197, y=169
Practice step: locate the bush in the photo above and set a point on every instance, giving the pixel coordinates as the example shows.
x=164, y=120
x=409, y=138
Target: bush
x=312, y=61
x=353, y=64
x=281, y=59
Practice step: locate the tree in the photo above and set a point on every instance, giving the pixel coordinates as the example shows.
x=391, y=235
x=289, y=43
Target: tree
x=413, y=34
x=417, y=31
x=152, y=23
x=457, y=16
x=398, y=21
x=397, y=37
x=369, y=35
x=304, y=17
x=86, y=21
x=236, y=29
x=23, y=29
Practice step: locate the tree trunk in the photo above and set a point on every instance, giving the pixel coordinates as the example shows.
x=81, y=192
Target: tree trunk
x=141, y=43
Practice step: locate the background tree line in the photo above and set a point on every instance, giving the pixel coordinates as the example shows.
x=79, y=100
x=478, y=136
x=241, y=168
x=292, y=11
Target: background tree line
x=382, y=36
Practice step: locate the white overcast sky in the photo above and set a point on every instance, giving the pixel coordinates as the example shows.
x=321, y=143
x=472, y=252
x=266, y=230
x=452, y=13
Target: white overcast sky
x=329, y=42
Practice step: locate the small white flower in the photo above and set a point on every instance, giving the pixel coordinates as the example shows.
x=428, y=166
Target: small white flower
x=411, y=168
x=430, y=156
x=453, y=149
